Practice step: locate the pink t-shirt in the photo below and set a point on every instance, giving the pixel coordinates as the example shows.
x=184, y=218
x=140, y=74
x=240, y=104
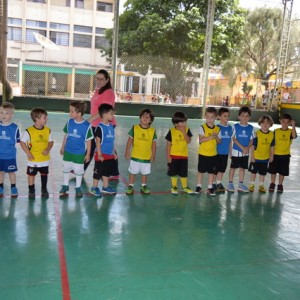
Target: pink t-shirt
x=107, y=97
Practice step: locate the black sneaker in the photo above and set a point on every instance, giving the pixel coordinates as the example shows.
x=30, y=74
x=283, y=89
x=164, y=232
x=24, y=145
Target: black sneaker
x=279, y=188
x=211, y=192
x=214, y=186
x=31, y=194
x=272, y=187
x=44, y=193
x=197, y=189
x=220, y=188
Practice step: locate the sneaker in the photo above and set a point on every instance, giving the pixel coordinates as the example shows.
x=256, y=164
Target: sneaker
x=251, y=188
x=230, y=187
x=197, y=189
x=44, y=193
x=262, y=189
x=145, y=189
x=243, y=188
x=64, y=189
x=214, y=186
x=78, y=192
x=14, y=192
x=220, y=188
x=31, y=194
x=279, y=188
x=95, y=191
x=1, y=191
x=211, y=192
x=174, y=190
x=272, y=187
x=187, y=190
x=108, y=190
x=129, y=190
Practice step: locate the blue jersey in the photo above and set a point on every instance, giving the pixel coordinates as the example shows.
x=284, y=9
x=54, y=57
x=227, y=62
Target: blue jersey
x=244, y=134
x=77, y=135
x=106, y=133
x=9, y=136
x=226, y=135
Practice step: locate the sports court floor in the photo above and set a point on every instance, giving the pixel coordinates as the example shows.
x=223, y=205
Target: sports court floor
x=157, y=246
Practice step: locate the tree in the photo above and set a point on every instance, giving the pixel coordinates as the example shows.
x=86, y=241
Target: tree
x=257, y=51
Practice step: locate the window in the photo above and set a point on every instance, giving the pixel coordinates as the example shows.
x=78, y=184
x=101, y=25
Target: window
x=81, y=40
x=101, y=42
x=14, y=21
x=30, y=37
x=59, y=38
x=59, y=26
x=79, y=3
x=80, y=28
x=104, y=6
x=100, y=30
x=14, y=34
x=33, y=23
x=37, y=1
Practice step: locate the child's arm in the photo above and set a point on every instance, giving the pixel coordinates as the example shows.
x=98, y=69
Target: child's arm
x=294, y=133
x=271, y=154
x=88, y=150
x=185, y=135
x=93, y=117
x=168, y=150
x=152, y=159
x=128, y=147
x=98, y=148
x=245, y=150
x=47, y=150
x=62, y=149
x=26, y=150
x=203, y=138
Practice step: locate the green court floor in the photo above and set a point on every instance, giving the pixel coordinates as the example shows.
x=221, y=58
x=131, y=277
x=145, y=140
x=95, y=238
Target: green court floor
x=157, y=246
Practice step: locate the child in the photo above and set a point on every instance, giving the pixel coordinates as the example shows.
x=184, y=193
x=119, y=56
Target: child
x=142, y=143
x=209, y=136
x=37, y=143
x=105, y=151
x=10, y=135
x=178, y=139
x=224, y=148
x=261, y=152
x=283, y=139
x=76, y=142
x=243, y=134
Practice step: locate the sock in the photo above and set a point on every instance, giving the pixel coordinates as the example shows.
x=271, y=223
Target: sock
x=183, y=182
x=261, y=183
x=12, y=185
x=31, y=188
x=218, y=182
x=44, y=180
x=209, y=186
x=66, y=179
x=200, y=185
x=252, y=182
x=143, y=184
x=78, y=180
x=174, y=181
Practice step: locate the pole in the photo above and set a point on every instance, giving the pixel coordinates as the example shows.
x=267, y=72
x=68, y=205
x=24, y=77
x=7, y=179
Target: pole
x=115, y=44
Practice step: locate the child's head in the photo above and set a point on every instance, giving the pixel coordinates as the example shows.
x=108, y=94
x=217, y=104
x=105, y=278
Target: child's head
x=179, y=117
x=223, y=114
x=38, y=113
x=106, y=112
x=285, y=120
x=146, y=116
x=210, y=115
x=265, y=122
x=244, y=115
x=77, y=107
x=6, y=112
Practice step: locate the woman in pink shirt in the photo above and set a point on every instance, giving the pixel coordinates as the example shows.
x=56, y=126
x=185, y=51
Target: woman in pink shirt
x=103, y=94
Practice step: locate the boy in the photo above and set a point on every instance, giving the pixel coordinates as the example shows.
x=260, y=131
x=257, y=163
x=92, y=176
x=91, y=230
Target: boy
x=261, y=152
x=224, y=148
x=10, y=135
x=209, y=136
x=105, y=151
x=178, y=139
x=282, y=151
x=76, y=146
x=37, y=142
x=243, y=134
x=142, y=143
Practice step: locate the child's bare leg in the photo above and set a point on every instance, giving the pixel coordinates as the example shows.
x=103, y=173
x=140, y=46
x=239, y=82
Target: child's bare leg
x=144, y=179
x=199, y=178
x=280, y=180
x=131, y=179
x=253, y=177
x=219, y=176
x=95, y=182
x=210, y=179
x=273, y=178
x=241, y=174
x=1, y=177
x=105, y=181
x=31, y=180
x=261, y=179
x=12, y=177
x=231, y=174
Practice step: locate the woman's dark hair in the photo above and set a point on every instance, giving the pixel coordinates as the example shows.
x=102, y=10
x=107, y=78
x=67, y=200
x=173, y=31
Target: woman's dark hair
x=107, y=77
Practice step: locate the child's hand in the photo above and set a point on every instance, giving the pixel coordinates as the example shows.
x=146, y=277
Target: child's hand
x=61, y=151
x=245, y=150
x=100, y=157
x=45, y=152
x=127, y=155
x=87, y=158
x=271, y=158
x=30, y=156
x=116, y=156
x=169, y=159
x=293, y=123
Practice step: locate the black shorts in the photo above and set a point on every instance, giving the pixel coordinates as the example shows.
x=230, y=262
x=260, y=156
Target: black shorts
x=207, y=164
x=280, y=165
x=259, y=167
x=105, y=168
x=221, y=163
x=239, y=162
x=178, y=167
x=32, y=171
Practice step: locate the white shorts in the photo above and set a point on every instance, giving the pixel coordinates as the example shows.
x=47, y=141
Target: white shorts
x=136, y=167
x=69, y=166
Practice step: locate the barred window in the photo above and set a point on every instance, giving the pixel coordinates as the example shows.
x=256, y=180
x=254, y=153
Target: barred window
x=100, y=30
x=14, y=21
x=14, y=34
x=33, y=23
x=30, y=37
x=59, y=38
x=81, y=28
x=60, y=26
x=101, y=42
x=104, y=6
x=84, y=41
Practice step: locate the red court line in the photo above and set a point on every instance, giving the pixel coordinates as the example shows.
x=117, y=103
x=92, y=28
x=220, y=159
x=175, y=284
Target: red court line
x=64, y=278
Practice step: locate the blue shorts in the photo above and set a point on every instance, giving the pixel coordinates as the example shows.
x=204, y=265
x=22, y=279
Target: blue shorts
x=8, y=165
